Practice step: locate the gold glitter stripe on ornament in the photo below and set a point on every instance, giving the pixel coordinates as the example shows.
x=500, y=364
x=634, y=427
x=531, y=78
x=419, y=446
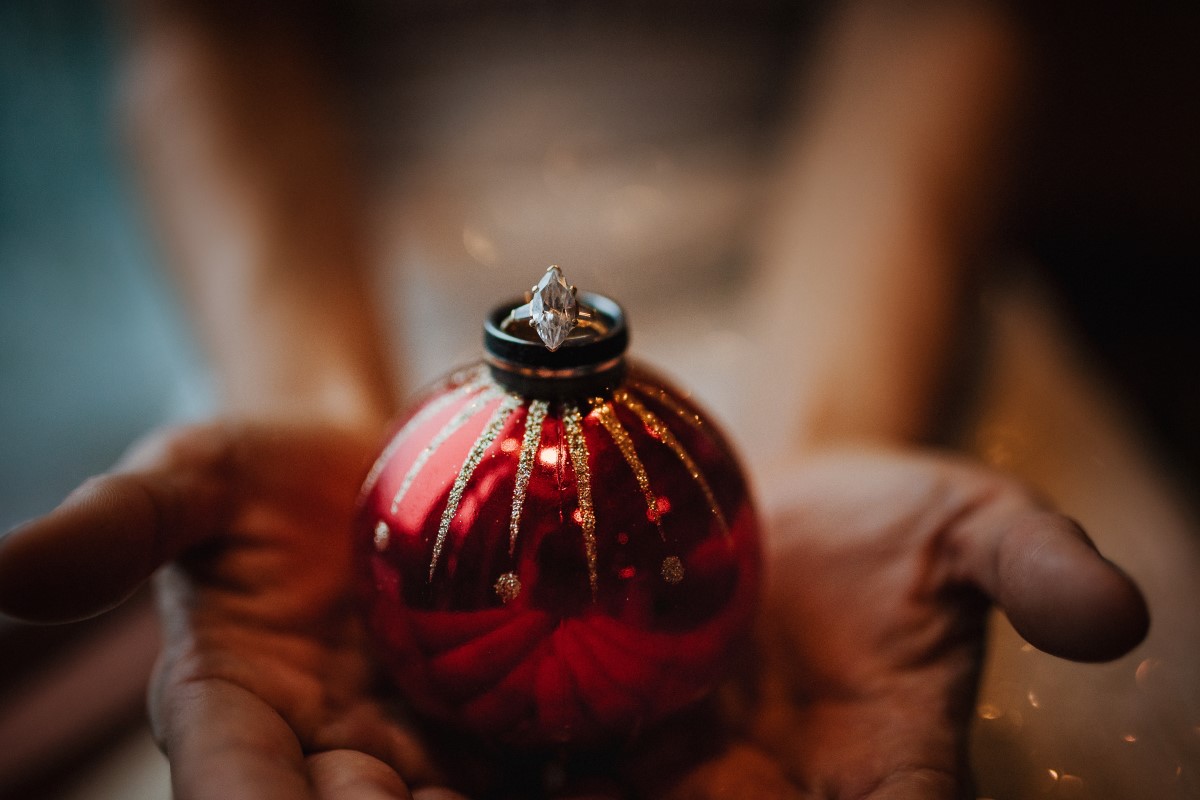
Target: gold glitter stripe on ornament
x=431, y=410
x=673, y=405
x=583, y=482
x=660, y=429
x=491, y=430
x=529, y=448
x=448, y=430
x=608, y=418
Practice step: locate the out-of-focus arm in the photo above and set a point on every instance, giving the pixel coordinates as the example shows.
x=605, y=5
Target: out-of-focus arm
x=251, y=182
x=883, y=200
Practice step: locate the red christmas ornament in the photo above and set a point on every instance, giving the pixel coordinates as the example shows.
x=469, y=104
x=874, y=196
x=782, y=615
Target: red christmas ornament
x=554, y=547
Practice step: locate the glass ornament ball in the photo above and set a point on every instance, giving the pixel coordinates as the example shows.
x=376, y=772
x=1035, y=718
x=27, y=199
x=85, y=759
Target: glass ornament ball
x=561, y=562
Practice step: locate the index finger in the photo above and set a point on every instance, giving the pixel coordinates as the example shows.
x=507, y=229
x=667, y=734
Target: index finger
x=109, y=535
x=223, y=741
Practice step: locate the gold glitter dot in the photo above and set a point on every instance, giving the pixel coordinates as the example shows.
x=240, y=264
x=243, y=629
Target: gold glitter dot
x=672, y=569
x=508, y=586
x=382, y=535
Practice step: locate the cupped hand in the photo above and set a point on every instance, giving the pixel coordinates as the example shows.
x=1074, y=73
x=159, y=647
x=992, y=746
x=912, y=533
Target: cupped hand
x=882, y=569
x=264, y=688
x=861, y=685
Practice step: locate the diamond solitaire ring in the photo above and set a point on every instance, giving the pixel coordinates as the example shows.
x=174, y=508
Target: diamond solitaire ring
x=554, y=311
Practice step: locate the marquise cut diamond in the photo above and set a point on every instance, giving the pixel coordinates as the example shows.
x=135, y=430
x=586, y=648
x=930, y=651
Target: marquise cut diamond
x=553, y=310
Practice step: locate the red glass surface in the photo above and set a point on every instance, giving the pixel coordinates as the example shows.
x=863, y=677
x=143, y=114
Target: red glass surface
x=558, y=662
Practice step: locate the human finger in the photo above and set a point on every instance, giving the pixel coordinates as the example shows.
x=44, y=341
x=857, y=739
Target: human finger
x=368, y=731
x=174, y=489
x=437, y=793
x=736, y=771
x=917, y=783
x=109, y=535
x=353, y=775
x=1052, y=583
x=225, y=742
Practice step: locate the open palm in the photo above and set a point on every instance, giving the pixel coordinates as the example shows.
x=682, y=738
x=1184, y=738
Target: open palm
x=883, y=567
x=861, y=685
x=264, y=687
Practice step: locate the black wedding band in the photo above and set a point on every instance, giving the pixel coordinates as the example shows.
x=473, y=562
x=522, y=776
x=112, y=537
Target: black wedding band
x=589, y=361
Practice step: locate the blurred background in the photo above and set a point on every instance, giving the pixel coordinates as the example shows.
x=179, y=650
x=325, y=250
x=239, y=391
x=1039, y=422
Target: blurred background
x=642, y=149
x=93, y=352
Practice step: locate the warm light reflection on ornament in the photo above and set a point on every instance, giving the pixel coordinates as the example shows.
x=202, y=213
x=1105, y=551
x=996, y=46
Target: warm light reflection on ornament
x=382, y=535
x=510, y=444
x=548, y=456
x=1033, y=699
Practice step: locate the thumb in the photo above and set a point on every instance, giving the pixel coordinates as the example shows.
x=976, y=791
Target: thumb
x=1062, y=595
x=109, y=535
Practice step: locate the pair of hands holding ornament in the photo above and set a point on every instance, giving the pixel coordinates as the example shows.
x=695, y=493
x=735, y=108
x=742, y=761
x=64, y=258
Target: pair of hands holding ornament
x=860, y=684
x=881, y=565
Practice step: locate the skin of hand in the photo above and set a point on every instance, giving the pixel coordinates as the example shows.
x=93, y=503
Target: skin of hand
x=264, y=686
x=882, y=569
x=861, y=683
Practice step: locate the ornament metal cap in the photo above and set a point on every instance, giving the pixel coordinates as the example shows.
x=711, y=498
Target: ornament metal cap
x=559, y=342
